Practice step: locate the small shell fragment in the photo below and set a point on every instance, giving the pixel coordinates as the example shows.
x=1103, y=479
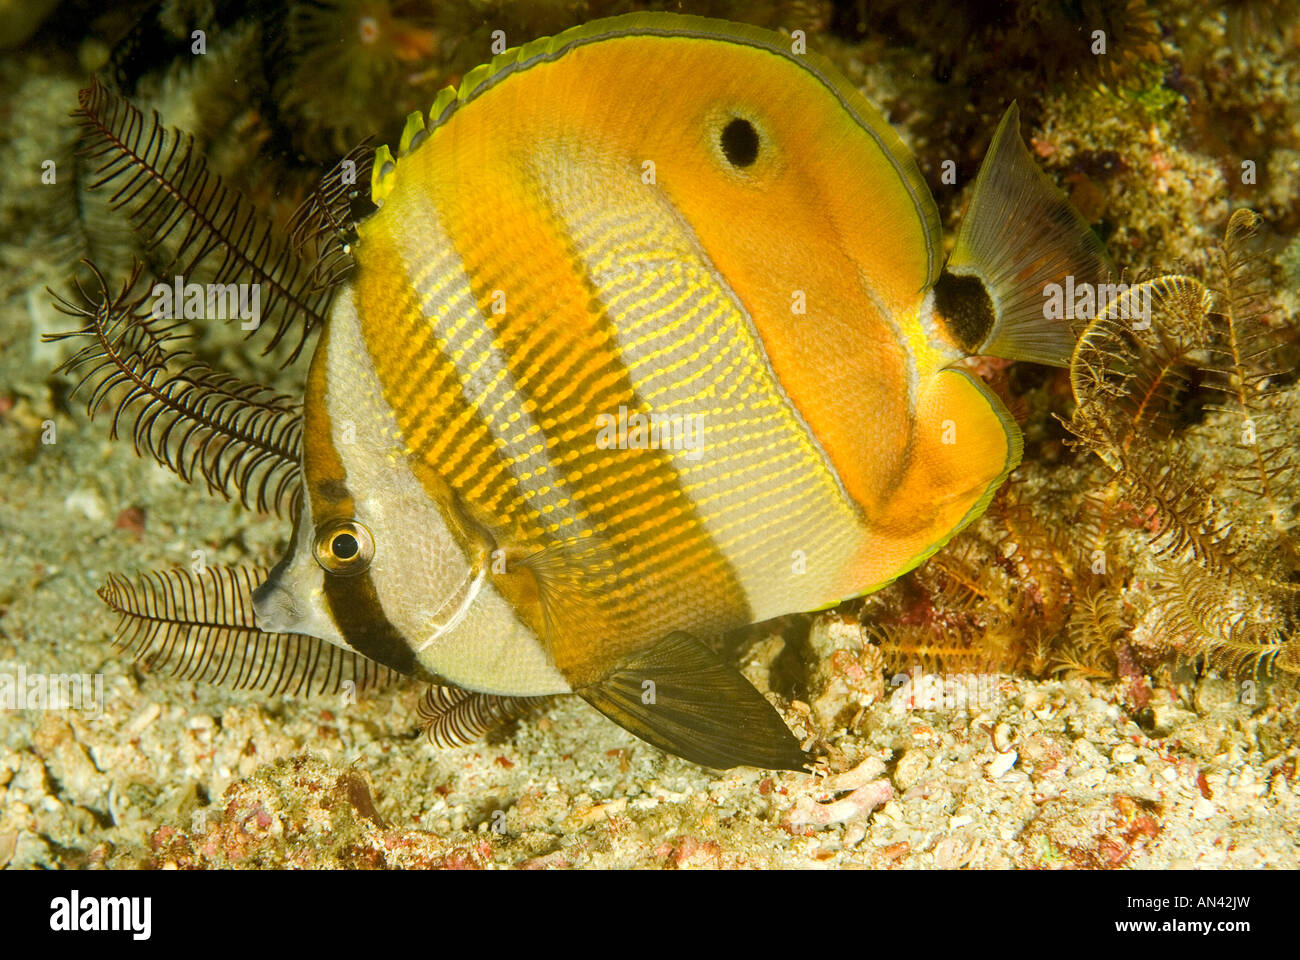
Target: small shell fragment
x=1002, y=763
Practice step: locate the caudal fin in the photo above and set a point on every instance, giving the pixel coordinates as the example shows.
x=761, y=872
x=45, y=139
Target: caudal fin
x=1019, y=235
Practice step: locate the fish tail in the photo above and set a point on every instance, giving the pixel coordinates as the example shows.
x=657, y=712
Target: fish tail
x=1020, y=244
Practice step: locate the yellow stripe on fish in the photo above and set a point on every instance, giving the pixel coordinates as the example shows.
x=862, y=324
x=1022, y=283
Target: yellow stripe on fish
x=649, y=339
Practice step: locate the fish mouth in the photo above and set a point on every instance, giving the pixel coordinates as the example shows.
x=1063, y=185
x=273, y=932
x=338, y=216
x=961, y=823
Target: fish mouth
x=275, y=609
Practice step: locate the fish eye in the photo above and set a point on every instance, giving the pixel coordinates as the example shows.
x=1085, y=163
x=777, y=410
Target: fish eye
x=344, y=547
x=739, y=142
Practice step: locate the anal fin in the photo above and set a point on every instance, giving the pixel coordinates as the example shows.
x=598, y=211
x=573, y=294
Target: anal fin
x=680, y=696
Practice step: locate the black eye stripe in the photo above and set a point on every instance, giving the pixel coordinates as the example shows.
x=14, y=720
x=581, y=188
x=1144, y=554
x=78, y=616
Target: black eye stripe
x=739, y=142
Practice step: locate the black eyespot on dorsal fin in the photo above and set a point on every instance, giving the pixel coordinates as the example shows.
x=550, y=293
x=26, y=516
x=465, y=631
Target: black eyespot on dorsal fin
x=200, y=627
x=241, y=438
x=739, y=142
x=188, y=220
x=964, y=304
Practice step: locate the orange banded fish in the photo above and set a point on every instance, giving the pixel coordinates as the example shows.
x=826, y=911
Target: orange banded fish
x=651, y=337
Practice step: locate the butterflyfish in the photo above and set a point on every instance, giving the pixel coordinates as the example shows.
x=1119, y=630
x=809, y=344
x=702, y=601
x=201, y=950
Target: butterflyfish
x=652, y=336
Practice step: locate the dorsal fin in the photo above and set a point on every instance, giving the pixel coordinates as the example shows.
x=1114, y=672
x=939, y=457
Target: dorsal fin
x=659, y=24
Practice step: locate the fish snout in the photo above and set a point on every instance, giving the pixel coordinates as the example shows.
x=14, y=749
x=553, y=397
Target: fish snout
x=275, y=609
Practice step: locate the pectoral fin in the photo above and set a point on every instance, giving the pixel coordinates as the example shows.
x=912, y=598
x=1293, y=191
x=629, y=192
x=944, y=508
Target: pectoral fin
x=681, y=697
x=571, y=577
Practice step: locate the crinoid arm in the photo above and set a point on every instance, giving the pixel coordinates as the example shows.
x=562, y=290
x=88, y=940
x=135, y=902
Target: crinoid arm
x=241, y=438
x=188, y=220
x=454, y=717
x=1240, y=634
x=322, y=227
x=1180, y=390
x=1242, y=368
x=200, y=626
x=1128, y=375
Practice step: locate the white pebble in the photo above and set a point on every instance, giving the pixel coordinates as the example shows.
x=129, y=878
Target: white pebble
x=1124, y=753
x=141, y=721
x=1091, y=777
x=1002, y=763
x=1086, y=750
x=86, y=502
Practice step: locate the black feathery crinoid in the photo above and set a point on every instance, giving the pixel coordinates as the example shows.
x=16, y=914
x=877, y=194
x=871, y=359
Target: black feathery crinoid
x=242, y=439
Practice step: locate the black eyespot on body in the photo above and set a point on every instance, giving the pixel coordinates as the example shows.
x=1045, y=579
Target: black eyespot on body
x=739, y=142
x=963, y=303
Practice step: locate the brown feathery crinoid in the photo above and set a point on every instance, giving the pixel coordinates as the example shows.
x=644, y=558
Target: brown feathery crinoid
x=1175, y=542
x=959, y=613
x=1215, y=574
x=189, y=223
